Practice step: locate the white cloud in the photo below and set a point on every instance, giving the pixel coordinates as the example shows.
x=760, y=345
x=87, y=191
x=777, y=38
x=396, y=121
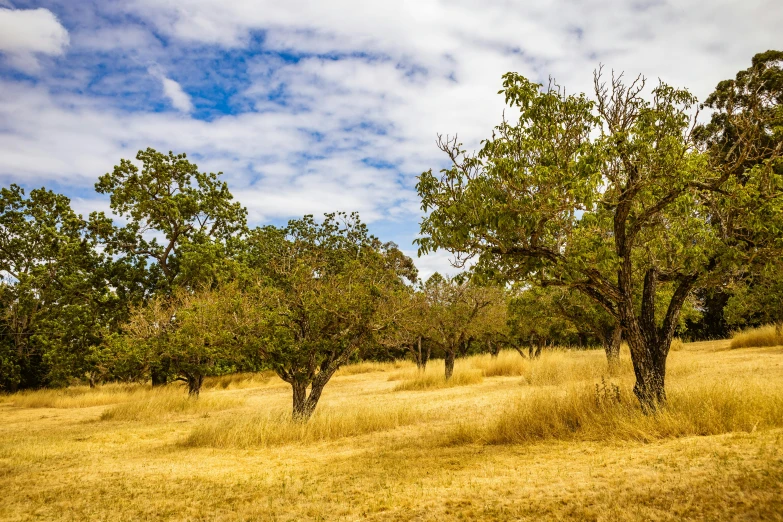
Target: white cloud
x=25, y=34
x=179, y=99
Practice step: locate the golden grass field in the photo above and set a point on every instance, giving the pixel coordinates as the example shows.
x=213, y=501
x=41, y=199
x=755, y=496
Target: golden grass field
x=506, y=439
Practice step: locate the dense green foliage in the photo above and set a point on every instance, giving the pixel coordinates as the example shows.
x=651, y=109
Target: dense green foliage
x=55, y=295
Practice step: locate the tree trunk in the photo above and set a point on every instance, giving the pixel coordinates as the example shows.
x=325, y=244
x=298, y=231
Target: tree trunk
x=649, y=366
x=612, y=346
x=92, y=379
x=300, y=398
x=449, y=361
x=494, y=349
x=194, y=385
x=422, y=356
x=649, y=343
x=304, y=405
x=520, y=351
x=534, y=350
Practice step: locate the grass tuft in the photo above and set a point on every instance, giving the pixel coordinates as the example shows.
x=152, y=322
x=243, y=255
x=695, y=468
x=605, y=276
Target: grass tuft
x=609, y=412
x=371, y=367
x=508, y=363
x=238, y=381
x=757, y=337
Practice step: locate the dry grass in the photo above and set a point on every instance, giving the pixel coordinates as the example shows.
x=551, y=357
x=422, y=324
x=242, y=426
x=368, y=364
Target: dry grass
x=371, y=367
x=757, y=337
x=508, y=363
x=165, y=404
x=607, y=412
x=434, y=377
x=77, y=396
x=277, y=428
x=238, y=381
x=552, y=368
x=532, y=440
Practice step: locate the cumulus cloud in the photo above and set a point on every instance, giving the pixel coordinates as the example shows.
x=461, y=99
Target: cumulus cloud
x=27, y=34
x=179, y=99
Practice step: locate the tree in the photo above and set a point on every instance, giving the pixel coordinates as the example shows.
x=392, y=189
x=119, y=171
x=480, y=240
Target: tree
x=192, y=211
x=182, y=228
x=317, y=293
x=192, y=330
x=409, y=329
x=585, y=314
x=758, y=297
x=55, y=299
x=613, y=198
x=534, y=319
x=456, y=309
x=745, y=135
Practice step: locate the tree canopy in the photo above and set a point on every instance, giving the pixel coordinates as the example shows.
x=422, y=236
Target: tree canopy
x=318, y=292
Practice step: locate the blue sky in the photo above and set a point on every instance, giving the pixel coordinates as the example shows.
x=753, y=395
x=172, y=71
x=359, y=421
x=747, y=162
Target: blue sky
x=314, y=106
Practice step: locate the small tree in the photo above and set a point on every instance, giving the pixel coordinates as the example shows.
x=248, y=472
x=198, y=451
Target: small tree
x=586, y=315
x=534, y=319
x=191, y=330
x=317, y=294
x=409, y=329
x=615, y=199
x=456, y=313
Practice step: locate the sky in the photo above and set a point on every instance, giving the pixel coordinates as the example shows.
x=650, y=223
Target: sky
x=316, y=106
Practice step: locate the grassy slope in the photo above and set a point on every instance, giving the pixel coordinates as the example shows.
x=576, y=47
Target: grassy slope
x=64, y=462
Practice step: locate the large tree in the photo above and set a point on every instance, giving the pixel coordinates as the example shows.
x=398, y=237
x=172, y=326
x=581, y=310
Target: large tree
x=614, y=197
x=181, y=221
x=315, y=294
x=56, y=302
x=181, y=228
x=749, y=110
